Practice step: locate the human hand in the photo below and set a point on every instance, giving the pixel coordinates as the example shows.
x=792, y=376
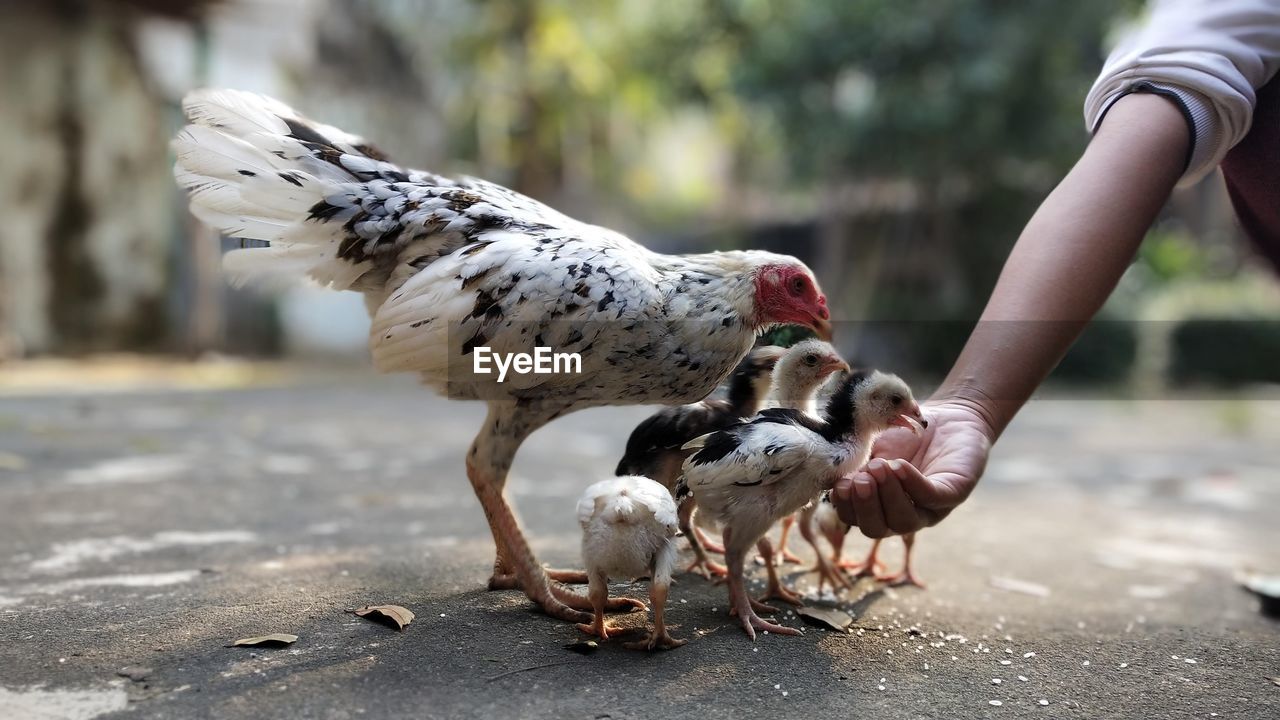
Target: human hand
x=913, y=481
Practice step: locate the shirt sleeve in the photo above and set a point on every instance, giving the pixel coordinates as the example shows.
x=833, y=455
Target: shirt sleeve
x=1207, y=57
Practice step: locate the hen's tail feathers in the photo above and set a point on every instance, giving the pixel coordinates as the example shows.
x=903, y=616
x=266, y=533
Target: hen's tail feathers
x=257, y=169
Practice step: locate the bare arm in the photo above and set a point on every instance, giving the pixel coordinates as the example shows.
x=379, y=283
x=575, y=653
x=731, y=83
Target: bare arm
x=1071, y=256
x=1065, y=264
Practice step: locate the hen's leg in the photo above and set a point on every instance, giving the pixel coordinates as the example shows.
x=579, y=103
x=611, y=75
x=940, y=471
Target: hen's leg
x=701, y=565
x=488, y=461
x=775, y=589
x=738, y=598
x=906, y=577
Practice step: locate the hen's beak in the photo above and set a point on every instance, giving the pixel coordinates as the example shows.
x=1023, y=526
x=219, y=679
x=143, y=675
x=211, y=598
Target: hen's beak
x=821, y=327
x=912, y=420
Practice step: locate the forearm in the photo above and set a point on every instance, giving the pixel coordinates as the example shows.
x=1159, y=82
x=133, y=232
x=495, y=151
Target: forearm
x=1070, y=257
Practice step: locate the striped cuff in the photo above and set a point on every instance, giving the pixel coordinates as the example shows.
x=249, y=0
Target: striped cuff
x=1206, y=135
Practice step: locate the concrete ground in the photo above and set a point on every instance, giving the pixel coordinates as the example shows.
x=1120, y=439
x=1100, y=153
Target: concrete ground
x=142, y=531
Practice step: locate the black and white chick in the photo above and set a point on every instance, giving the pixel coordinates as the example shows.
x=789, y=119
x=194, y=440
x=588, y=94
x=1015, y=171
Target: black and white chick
x=629, y=526
x=751, y=475
x=796, y=380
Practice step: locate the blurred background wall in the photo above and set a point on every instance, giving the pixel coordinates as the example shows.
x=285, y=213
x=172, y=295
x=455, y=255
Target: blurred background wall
x=896, y=146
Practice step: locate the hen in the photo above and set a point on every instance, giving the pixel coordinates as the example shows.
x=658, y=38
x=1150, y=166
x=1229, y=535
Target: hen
x=448, y=265
x=629, y=527
x=751, y=475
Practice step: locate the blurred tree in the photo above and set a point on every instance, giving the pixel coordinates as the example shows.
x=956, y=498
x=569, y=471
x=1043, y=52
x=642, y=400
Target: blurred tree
x=82, y=248
x=973, y=103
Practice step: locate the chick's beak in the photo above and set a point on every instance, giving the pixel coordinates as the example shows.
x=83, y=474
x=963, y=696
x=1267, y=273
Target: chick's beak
x=913, y=420
x=835, y=365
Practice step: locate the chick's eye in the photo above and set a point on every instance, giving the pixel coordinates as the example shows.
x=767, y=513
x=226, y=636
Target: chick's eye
x=797, y=285
x=896, y=400
x=810, y=359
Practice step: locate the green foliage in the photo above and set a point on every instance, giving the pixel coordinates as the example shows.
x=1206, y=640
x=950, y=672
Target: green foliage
x=1227, y=352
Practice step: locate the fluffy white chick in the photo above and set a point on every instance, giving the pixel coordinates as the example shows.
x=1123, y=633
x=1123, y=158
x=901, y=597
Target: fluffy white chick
x=629, y=526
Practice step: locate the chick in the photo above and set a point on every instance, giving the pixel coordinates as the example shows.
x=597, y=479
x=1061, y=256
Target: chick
x=751, y=475
x=629, y=526
x=796, y=379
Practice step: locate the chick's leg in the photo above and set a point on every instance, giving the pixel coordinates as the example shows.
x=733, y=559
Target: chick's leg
x=598, y=593
x=659, y=638
x=775, y=589
x=868, y=567
x=906, y=576
x=785, y=555
x=827, y=571
x=741, y=602
x=707, y=543
x=702, y=565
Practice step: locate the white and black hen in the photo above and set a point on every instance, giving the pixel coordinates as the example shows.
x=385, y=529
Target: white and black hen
x=751, y=475
x=448, y=265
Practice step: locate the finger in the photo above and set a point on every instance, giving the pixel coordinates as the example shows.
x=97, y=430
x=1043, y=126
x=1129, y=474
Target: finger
x=899, y=512
x=842, y=499
x=866, y=505
x=925, y=491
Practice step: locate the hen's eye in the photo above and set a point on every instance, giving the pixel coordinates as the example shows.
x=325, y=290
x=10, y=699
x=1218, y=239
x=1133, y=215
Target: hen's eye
x=810, y=359
x=797, y=286
x=896, y=400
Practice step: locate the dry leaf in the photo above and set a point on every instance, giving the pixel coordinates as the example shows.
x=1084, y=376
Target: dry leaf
x=583, y=647
x=387, y=614
x=269, y=640
x=826, y=617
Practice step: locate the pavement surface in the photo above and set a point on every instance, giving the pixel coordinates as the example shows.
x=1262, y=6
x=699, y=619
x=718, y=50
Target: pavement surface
x=1092, y=574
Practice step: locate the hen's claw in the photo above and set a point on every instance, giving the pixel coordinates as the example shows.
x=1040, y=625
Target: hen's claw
x=602, y=631
x=582, y=602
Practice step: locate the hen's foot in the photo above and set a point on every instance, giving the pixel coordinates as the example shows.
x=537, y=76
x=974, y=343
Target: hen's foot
x=509, y=581
x=582, y=602
x=789, y=557
x=656, y=641
x=603, y=631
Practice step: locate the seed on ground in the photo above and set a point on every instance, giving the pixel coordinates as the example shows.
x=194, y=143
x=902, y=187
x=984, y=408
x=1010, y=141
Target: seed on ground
x=997, y=703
